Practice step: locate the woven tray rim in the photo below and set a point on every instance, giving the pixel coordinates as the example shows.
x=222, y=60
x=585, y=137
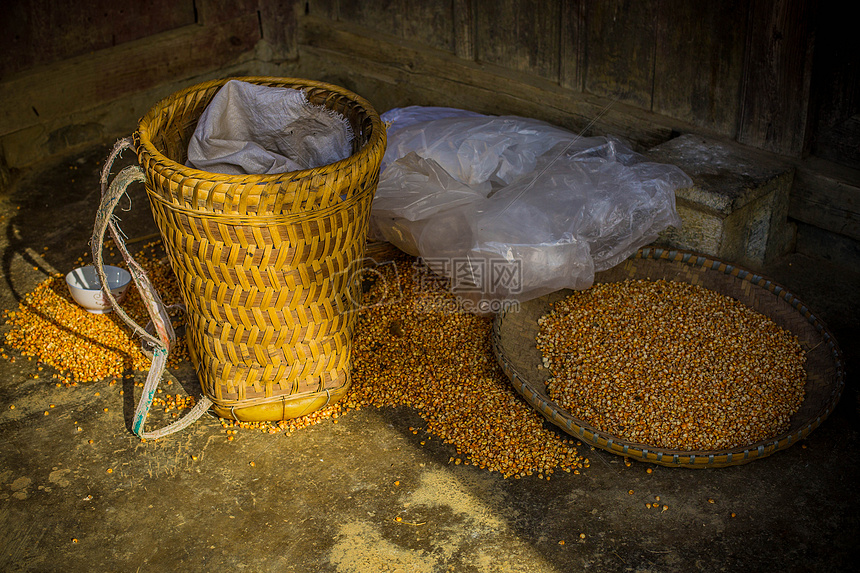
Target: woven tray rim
x=145, y=139
x=682, y=458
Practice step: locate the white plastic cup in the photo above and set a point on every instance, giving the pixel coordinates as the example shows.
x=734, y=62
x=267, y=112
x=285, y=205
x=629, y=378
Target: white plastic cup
x=86, y=289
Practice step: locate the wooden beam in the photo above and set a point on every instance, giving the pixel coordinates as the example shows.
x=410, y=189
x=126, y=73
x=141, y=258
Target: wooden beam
x=620, y=48
x=522, y=35
x=278, y=27
x=774, y=112
x=572, y=45
x=464, y=29
x=827, y=195
x=40, y=32
x=699, y=62
x=85, y=82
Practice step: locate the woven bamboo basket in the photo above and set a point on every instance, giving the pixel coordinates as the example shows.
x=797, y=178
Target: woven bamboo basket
x=264, y=261
x=514, y=346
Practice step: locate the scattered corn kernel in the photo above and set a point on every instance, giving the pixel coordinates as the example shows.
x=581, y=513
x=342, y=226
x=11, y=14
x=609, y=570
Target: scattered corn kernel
x=49, y=326
x=441, y=363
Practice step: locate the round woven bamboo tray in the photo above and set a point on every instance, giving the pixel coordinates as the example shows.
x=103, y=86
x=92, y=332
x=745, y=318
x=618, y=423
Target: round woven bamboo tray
x=514, y=335
x=265, y=262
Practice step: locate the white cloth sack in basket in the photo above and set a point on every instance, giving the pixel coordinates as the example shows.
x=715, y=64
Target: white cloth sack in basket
x=253, y=129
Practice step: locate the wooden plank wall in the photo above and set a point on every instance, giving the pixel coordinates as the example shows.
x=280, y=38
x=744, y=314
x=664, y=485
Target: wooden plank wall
x=39, y=32
x=777, y=75
x=75, y=73
x=699, y=66
x=739, y=68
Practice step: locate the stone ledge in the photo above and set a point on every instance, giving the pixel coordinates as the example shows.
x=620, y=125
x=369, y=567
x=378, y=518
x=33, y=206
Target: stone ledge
x=737, y=208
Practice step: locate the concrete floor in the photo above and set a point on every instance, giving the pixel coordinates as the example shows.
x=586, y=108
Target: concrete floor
x=325, y=499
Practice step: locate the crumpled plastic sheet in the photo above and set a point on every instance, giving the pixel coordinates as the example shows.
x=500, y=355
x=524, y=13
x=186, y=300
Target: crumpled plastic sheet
x=512, y=208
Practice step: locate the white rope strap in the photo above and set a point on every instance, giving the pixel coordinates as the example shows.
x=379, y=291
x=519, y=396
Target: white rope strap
x=164, y=336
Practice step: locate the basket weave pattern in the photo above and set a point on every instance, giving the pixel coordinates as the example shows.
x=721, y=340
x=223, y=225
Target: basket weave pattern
x=264, y=261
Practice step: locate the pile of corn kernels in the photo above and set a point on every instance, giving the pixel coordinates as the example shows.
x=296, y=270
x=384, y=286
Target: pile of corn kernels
x=671, y=365
x=411, y=348
x=414, y=348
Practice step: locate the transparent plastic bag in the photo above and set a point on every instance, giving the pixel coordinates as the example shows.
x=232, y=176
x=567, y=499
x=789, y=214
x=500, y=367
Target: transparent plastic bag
x=512, y=208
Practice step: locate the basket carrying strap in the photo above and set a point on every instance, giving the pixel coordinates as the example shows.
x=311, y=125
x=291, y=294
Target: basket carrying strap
x=165, y=337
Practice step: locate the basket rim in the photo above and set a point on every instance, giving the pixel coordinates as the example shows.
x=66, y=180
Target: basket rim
x=144, y=138
x=587, y=433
